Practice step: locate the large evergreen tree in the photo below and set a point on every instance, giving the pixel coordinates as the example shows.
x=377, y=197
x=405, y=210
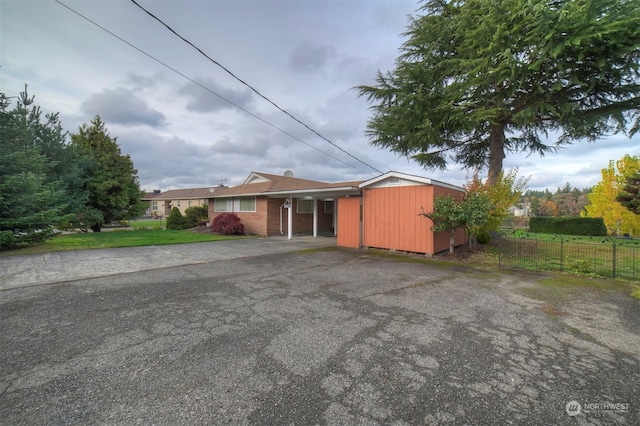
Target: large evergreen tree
x=31, y=201
x=478, y=79
x=111, y=181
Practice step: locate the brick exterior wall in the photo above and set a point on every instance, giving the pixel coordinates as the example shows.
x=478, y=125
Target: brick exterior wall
x=265, y=220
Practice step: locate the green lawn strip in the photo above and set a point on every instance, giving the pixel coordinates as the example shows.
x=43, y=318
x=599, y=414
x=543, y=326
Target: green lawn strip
x=113, y=239
x=608, y=240
x=580, y=254
x=147, y=223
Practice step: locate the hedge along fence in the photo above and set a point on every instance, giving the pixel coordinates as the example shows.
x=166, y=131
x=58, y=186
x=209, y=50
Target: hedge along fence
x=593, y=226
x=603, y=257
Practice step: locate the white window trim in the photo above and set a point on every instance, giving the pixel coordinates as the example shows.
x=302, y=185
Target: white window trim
x=328, y=203
x=236, y=204
x=228, y=208
x=298, y=206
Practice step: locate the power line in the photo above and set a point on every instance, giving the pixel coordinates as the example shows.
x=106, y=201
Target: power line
x=249, y=86
x=207, y=89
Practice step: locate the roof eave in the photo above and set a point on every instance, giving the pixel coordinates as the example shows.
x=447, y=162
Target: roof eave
x=334, y=192
x=420, y=179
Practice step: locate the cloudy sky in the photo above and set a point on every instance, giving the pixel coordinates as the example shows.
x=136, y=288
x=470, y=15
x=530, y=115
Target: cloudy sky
x=185, y=122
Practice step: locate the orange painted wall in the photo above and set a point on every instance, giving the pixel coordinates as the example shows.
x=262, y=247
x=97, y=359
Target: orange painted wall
x=348, y=222
x=392, y=220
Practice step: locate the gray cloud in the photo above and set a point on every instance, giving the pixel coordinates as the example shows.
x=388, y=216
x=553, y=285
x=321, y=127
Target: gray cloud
x=172, y=162
x=252, y=147
x=121, y=106
x=307, y=57
x=141, y=81
x=201, y=100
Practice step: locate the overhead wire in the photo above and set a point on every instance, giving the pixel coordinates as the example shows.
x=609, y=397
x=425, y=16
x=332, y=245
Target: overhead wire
x=253, y=89
x=257, y=117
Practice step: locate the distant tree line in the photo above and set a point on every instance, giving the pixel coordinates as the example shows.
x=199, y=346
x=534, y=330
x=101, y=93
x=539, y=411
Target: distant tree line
x=54, y=180
x=615, y=199
x=567, y=201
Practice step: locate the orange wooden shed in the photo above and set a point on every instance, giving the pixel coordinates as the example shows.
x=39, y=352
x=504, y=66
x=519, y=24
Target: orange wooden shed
x=387, y=214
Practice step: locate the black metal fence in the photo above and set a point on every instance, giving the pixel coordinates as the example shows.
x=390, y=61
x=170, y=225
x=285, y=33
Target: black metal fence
x=604, y=257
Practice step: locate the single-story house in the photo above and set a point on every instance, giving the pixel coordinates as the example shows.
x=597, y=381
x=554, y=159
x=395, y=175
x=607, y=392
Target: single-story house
x=161, y=203
x=270, y=204
x=383, y=212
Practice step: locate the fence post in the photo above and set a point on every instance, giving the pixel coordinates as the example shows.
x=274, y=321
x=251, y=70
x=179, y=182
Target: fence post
x=561, y=254
x=614, y=258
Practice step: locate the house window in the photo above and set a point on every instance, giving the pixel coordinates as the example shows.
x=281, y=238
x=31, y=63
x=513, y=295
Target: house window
x=328, y=206
x=178, y=204
x=245, y=204
x=222, y=205
x=189, y=203
x=305, y=206
x=154, y=206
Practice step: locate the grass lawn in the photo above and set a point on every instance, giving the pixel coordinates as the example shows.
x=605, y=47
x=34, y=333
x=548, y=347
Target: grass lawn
x=573, y=238
x=150, y=223
x=111, y=239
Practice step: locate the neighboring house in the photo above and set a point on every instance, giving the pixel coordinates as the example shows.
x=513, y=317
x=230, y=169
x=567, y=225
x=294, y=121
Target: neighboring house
x=383, y=212
x=161, y=203
x=523, y=209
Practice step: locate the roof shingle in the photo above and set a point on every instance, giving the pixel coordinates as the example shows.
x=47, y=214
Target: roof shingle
x=277, y=183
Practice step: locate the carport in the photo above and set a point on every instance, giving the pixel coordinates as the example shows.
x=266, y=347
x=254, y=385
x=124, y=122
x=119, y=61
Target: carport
x=283, y=205
x=329, y=195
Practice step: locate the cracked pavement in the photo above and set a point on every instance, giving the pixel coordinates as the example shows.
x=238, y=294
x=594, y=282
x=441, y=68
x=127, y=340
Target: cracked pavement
x=326, y=337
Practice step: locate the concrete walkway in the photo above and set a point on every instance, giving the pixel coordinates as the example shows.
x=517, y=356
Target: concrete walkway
x=21, y=271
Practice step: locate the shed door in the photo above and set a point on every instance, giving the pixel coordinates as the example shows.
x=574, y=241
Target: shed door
x=349, y=222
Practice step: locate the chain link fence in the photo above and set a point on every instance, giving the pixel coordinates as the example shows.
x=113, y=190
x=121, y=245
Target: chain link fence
x=596, y=256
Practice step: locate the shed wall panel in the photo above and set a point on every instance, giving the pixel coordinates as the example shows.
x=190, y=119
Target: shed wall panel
x=348, y=222
x=392, y=218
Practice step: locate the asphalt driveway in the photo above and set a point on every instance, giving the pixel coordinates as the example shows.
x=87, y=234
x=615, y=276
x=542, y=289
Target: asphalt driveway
x=315, y=337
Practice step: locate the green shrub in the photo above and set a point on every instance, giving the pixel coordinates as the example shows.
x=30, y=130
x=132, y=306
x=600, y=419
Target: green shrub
x=593, y=226
x=195, y=215
x=483, y=236
x=176, y=220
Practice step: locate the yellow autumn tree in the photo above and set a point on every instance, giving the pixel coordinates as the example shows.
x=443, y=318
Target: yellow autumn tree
x=618, y=219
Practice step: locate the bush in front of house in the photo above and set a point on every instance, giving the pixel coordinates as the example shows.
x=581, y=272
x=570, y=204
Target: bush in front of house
x=227, y=223
x=196, y=215
x=176, y=220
